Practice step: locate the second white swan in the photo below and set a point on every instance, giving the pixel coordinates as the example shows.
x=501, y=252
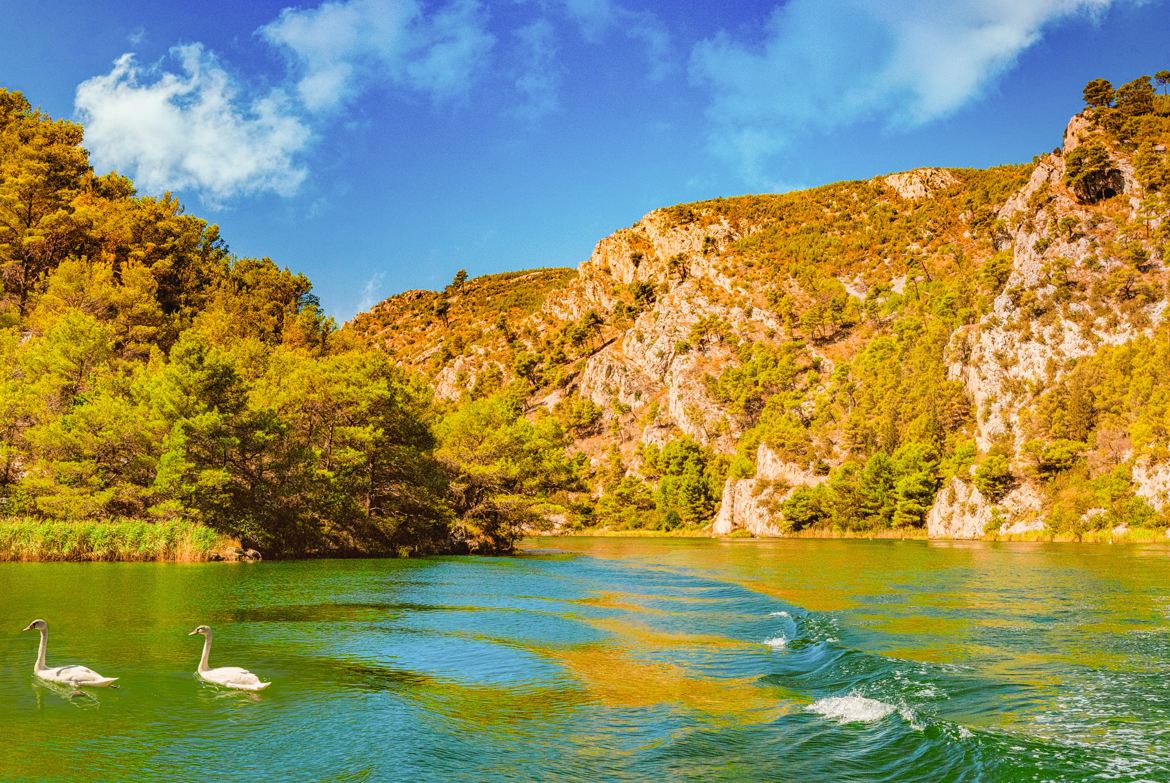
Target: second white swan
x=225, y=676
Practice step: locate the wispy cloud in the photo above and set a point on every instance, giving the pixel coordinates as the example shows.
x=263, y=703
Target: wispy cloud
x=191, y=128
x=597, y=19
x=371, y=291
x=536, y=47
x=539, y=81
x=339, y=48
x=820, y=65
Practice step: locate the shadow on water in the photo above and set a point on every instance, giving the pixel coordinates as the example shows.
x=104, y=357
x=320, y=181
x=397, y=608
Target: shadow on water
x=370, y=677
x=330, y=612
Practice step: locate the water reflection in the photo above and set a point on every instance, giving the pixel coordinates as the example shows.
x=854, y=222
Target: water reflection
x=77, y=697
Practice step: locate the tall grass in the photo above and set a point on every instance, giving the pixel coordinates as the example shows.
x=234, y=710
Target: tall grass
x=24, y=539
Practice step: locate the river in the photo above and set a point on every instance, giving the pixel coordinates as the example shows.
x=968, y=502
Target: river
x=606, y=659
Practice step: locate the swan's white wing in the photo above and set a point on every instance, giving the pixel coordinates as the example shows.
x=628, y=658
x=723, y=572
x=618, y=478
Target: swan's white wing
x=75, y=675
x=235, y=677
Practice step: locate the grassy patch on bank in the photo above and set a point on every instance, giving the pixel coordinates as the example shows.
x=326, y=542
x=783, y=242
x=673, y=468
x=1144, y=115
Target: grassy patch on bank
x=1132, y=535
x=26, y=540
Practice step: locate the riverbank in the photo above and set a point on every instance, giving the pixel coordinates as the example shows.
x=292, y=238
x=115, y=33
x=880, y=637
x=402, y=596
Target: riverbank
x=1135, y=535
x=36, y=540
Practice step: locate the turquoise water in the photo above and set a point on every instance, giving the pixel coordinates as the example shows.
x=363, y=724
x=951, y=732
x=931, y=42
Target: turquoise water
x=607, y=659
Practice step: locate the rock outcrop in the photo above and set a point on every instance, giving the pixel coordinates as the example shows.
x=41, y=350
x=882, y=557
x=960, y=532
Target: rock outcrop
x=919, y=184
x=961, y=511
x=754, y=504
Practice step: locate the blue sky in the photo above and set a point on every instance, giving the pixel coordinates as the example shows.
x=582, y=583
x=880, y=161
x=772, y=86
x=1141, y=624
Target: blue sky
x=380, y=145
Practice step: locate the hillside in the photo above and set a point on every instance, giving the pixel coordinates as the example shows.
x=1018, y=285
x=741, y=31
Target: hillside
x=972, y=351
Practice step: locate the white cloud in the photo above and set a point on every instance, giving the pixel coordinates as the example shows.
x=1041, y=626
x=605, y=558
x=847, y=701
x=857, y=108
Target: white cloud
x=339, y=48
x=821, y=65
x=190, y=128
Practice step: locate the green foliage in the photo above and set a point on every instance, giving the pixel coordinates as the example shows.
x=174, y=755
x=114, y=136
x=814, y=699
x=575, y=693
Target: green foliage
x=1056, y=456
x=1136, y=98
x=580, y=416
x=1090, y=174
x=887, y=490
x=644, y=295
x=807, y=507
x=503, y=467
x=995, y=272
x=764, y=371
x=626, y=505
x=1098, y=92
x=994, y=477
x=690, y=481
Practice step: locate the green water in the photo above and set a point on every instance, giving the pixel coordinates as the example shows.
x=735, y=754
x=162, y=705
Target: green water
x=607, y=659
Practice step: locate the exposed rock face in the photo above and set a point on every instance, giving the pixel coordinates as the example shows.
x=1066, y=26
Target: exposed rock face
x=959, y=511
x=754, y=504
x=1005, y=352
x=920, y=183
x=643, y=253
x=1152, y=480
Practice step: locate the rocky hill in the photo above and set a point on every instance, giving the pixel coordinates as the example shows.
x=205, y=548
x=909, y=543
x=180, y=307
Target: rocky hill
x=980, y=352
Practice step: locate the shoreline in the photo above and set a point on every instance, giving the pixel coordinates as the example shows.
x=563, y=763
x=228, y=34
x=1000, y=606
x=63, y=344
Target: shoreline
x=1095, y=537
x=128, y=541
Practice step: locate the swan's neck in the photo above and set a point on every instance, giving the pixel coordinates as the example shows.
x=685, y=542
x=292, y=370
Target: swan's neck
x=41, y=650
x=206, y=652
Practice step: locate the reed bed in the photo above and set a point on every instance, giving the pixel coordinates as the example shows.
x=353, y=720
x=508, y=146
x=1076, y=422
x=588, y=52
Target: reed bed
x=27, y=540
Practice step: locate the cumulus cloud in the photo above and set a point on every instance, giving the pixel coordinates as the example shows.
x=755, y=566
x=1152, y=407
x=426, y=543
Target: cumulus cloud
x=339, y=48
x=820, y=65
x=191, y=128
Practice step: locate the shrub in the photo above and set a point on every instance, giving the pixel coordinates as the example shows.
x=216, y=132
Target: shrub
x=994, y=477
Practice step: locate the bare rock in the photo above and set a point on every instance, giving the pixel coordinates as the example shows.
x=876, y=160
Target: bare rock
x=1152, y=481
x=959, y=511
x=754, y=504
x=920, y=183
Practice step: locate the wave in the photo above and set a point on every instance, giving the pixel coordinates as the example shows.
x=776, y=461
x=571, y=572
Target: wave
x=851, y=709
x=776, y=642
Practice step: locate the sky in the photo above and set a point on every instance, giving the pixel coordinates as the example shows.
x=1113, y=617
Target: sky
x=381, y=145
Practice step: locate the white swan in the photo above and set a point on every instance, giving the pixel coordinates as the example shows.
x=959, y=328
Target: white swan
x=226, y=676
x=77, y=676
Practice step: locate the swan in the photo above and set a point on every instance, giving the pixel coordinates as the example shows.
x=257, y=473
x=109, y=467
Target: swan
x=77, y=676
x=226, y=676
